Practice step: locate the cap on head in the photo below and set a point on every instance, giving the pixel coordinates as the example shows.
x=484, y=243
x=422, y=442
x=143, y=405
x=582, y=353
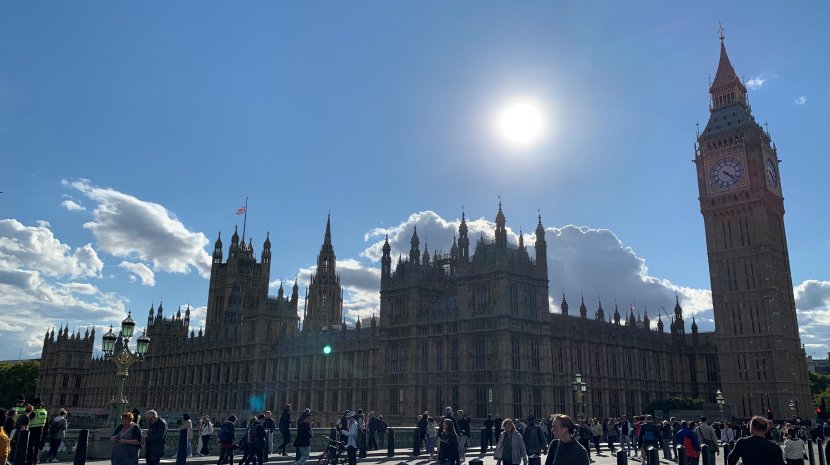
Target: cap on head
x=20, y=398
x=448, y=410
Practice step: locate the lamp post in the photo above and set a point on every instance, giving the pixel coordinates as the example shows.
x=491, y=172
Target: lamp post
x=794, y=407
x=580, y=387
x=721, y=403
x=117, y=349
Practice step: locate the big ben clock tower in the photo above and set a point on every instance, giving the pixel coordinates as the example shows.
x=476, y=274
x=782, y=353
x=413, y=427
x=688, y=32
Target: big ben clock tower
x=762, y=364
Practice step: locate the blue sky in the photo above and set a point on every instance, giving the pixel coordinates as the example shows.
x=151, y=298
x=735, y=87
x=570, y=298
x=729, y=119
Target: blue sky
x=130, y=134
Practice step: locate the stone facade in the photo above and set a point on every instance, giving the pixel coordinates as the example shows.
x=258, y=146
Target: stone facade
x=472, y=327
x=749, y=266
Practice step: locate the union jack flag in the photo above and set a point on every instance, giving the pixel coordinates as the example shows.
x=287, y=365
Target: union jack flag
x=241, y=210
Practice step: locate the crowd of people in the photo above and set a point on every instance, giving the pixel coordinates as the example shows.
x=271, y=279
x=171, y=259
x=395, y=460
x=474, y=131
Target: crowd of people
x=560, y=438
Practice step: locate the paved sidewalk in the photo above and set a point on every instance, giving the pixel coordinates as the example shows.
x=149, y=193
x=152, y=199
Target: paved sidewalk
x=377, y=457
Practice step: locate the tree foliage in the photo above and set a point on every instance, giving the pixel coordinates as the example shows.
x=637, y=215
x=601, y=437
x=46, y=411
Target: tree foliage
x=674, y=403
x=16, y=379
x=819, y=386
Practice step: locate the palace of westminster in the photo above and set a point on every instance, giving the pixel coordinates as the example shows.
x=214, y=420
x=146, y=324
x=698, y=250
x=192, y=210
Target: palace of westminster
x=472, y=328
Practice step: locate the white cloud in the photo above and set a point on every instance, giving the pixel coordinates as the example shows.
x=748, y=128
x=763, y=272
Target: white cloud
x=36, y=248
x=72, y=206
x=800, y=100
x=756, y=82
x=140, y=271
x=131, y=228
x=32, y=261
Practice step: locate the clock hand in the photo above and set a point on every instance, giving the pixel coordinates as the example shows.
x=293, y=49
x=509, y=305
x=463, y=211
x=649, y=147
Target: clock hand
x=727, y=173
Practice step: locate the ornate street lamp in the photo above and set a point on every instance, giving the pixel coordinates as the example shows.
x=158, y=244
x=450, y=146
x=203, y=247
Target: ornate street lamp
x=117, y=349
x=794, y=407
x=580, y=387
x=721, y=403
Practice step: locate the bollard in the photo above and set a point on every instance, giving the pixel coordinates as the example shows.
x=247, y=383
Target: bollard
x=181, y=452
x=390, y=442
x=727, y=448
x=80, y=447
x=826, y=452
x=810, y=453
x=416, y=443
x=21, y=448
x=622, y=457
x=484, y=441
x=653, y=455
x=681, y=456
x=819, y=449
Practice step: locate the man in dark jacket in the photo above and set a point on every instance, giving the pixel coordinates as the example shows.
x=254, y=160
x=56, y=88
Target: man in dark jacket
x=303, y=441
x=373, y=428
x=255, y=440
x=285, y=427
x=488, y=431
x=534, y=437
x=650, y=435
x=154, y=438
x=270, y=426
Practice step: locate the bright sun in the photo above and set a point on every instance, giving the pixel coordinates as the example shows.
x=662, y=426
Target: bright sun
x=521, y=123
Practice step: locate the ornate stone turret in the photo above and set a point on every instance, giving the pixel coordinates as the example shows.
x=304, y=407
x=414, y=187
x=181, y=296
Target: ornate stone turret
x=564, y=305
x=501, y=229
x=541, y=246
x=463, y=240
x=616, y=314
x=583, y=310
x=414, y=247
x=386, y=260
x=600, y=315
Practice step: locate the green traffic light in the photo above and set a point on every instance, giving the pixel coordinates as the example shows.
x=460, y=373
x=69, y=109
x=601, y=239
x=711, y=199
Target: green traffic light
x=326, y=349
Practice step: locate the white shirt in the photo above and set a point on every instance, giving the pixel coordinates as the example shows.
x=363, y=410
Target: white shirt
x=793, y=449
x=728, y=435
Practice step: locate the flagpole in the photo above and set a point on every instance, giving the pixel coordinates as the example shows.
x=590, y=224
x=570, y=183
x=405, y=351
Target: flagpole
x=245, y=221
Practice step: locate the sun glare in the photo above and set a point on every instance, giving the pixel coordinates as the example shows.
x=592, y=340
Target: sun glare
x=521, y=123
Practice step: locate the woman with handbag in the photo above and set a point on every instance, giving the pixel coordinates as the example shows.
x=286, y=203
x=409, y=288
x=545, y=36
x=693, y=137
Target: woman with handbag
x=126, y=442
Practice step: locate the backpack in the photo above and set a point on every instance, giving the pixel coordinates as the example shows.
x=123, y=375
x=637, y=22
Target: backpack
x=648, y=435
x=226, y=434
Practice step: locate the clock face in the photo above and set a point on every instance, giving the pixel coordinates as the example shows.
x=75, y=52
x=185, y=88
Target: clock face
x=727, y=173
x=772, y=175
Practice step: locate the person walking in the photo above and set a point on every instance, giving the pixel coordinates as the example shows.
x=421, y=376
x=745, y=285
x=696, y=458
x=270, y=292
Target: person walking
x=728, y=435
x=350, y=433
x=5, y=441
x=596, y=431
x=431, y=437
x=227, y=440
x=382, y=432
x=56, y=433
x=270, y=426
x=285, y=428
x=254, y=441
x=303, y=441
x=533, y=437
x=205, y=432
x=564, y=450
x=612, y=432
x=794, y=448
x=37, y=433
x=186, y=428
x=126, y=441
x=510, y=448
x=706, y=435
x=488, y=431
x=154, y=438
x=421, y=424
x=372, y=427
x=584, y=435
x=448, y=443
x=667, y=435
x=688, y=439
x=756, y=449
x=464, y=429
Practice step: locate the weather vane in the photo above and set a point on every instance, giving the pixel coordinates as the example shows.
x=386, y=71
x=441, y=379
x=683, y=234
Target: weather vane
x=721, y=31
